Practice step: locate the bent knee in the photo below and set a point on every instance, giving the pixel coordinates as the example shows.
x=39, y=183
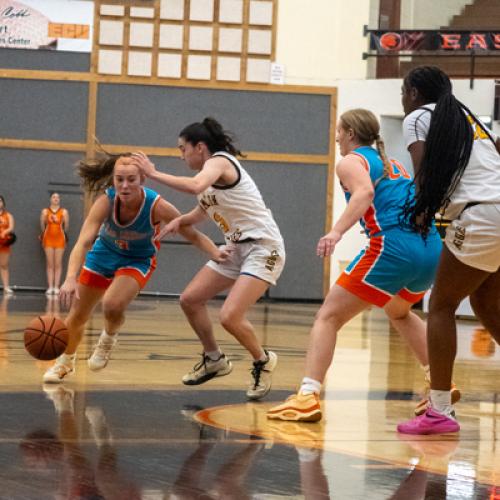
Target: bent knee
x=229, y=319
x=113, y=308
x=189, y=301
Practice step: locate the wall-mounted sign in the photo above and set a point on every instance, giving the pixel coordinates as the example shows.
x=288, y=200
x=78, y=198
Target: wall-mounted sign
x=385, y=41
x=46, y=24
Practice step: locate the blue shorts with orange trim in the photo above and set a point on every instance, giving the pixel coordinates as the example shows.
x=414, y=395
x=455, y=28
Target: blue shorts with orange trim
x=102, y=265
x=396, y=262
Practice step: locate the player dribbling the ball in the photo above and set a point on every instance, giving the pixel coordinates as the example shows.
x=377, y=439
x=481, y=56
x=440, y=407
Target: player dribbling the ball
x=114, y=256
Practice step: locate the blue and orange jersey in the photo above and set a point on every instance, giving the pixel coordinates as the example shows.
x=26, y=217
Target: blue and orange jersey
x=391, y=192
x=135, y=239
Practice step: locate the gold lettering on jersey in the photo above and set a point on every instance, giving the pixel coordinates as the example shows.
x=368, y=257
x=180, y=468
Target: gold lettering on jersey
x=208, y=200
x=236, y=236
x=271, y=260
x=479, y=133
x=458, y=241
x=224, y=226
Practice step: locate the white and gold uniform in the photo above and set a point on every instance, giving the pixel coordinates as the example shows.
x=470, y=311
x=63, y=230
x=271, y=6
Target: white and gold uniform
x=242, y=216
x=473, y=235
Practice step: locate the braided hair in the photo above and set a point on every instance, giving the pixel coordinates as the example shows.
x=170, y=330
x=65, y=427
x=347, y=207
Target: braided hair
x=448, y=146
x=366, y=128
x=210, y=132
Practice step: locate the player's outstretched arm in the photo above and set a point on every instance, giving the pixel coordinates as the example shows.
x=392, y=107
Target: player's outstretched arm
x=211, y=172
x=167, y=213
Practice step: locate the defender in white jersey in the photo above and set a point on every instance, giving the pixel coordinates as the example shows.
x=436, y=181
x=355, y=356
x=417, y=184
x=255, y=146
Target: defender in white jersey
x=457, y=166
x=227, y=195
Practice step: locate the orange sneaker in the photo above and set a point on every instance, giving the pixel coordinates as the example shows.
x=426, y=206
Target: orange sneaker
x=424, y=403
x=297, y=408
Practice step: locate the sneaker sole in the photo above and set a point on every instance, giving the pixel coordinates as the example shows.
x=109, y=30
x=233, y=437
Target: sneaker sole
x=422, y=406
x=96, y=369
x=295, y=416
x=210, y=376
x=56, y=380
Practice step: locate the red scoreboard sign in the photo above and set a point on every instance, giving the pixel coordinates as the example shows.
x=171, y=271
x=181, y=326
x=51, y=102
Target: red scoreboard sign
x=384, y=41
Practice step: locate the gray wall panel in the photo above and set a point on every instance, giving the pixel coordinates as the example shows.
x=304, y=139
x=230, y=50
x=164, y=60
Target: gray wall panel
x=43, y=110
x=296, y=194
x=50, y=60
x=273, y=121
x=27, y=178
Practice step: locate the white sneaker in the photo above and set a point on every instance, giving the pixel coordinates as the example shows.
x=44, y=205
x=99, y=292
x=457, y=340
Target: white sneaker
x=8, y=291
x=207, y=369
x=59, y=371
x=49, y=291
x=55, y=291
x=261, y=375
x=101, y=354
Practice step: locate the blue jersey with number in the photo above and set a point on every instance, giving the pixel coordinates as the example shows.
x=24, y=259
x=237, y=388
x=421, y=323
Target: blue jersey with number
x=134, y=239
x=391, y=192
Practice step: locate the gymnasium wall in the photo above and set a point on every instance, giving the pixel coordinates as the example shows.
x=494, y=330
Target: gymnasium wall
x=53, y=104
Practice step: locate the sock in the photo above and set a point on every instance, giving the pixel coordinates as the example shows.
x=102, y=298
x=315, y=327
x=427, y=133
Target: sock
x=427, y=372
x=310, y=386
x=441, y=402
x=67, y=359
x=214, y=355
x=108, y=339
x=307, y=454
x=264, y=357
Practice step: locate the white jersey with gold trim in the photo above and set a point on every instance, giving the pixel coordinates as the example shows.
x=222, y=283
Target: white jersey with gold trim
x=480, y=181
x=238, y=209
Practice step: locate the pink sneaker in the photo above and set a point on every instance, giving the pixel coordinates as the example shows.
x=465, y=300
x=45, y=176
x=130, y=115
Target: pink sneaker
x=430, y=422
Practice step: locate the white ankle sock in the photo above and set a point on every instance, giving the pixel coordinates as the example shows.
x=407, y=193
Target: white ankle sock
x=441, y=402
x=310, y=386
x=427, y=372
x=108, y=339
x=67, y=359
x=214, y=355
x=264, y=357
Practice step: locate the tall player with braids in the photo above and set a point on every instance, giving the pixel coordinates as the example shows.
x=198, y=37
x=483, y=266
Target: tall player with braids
x=393, y=271
x=457, y=164
x=227, y=194
x=114, y=256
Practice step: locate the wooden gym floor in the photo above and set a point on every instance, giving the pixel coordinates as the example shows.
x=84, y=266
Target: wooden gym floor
x=133, y=431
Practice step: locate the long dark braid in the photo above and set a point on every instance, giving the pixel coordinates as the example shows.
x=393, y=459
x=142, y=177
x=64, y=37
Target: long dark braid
x=97, y=173
x=448, y=146
x=210, y=132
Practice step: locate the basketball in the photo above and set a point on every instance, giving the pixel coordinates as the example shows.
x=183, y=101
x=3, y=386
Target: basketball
x=46, y=337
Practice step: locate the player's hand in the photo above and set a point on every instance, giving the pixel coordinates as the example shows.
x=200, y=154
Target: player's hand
x=171, y=228
x=326, y=244
x=146, y=166
x=224, y=253
x=68, y=291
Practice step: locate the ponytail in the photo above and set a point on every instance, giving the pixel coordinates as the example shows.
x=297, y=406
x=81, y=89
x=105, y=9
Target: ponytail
x=97, y=173
x=210, y=132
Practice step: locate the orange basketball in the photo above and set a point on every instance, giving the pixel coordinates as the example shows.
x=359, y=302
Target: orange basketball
x=46, y=337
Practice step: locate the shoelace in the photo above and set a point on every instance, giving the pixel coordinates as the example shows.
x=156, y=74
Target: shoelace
x=202, y=363
x=104, y=350
x=258, y=368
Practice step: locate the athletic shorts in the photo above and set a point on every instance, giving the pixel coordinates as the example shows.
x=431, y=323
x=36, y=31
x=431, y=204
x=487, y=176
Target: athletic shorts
x=262, y=259
x=102, y=265
x=474, y=238
x=396, y=262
